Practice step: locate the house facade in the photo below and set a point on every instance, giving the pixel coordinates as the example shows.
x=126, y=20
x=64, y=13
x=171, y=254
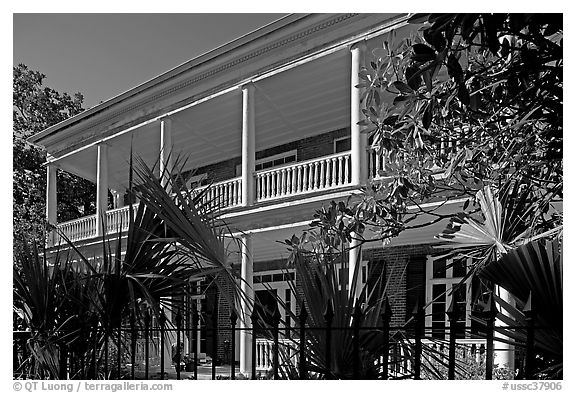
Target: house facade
x=270, y=120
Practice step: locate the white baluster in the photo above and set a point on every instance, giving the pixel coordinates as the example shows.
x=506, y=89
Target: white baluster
x=333, y=172
x=293, y=173
x=278, y=183
x=310, y=176
x=346, y=165
x=340, y=170
x=299, y=179
x=376, y=174
x=316, y=175
x=323, y=181
x=283, y=189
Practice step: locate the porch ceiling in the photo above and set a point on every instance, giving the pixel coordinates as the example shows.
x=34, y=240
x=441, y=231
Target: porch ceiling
x=306, y=100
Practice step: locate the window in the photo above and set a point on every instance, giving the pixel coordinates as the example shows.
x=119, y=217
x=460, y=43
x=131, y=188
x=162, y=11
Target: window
x=443, y=279
x=342, y=144
x=197, y=181
x=271, y=161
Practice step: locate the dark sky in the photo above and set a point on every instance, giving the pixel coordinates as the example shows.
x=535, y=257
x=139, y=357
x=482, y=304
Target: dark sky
x=103, y=55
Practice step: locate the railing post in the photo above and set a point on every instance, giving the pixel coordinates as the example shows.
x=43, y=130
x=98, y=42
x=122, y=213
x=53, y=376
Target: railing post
x=356, y=322
x=162, y=323
x=254, y=319
x=233, y=319
x=490, y=313
x=275, y=323
x=418, y=315
x=453, y=314
x=386, y=317
x=214, y=339
x=178, y=355
x=328, y=318
x=302, y=344
x=530, y=350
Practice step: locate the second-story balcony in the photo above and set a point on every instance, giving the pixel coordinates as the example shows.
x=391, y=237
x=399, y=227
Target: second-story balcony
x=324, y=174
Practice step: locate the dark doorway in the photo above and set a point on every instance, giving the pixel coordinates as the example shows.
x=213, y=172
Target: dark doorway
x=265, y=306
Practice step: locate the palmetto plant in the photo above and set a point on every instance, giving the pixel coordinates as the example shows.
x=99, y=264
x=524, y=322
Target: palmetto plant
x=515, y=244
x=73, y=299
x=321, y=293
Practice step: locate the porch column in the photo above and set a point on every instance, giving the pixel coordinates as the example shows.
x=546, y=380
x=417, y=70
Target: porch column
x=51, y=202
x=503, y=352
x=101, y=189
x=358, y=140
x=354, y=262
x=246, y=304
x=248, y=144
x=165, y=149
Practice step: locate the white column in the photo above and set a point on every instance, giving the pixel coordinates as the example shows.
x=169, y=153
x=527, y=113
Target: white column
x=359, y=140
x=165, y=149
x=503, y=352
x=51, y=202
x=101, y=189
x=246, y=304
x=248, y=144
x=354, y=262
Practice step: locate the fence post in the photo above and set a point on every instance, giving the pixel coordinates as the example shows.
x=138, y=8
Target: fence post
x=195, y=319
x=119, y=350
x=356, y=322
x=453, y=314
x=386, y=317
x=418, y=315
x=162, y=322
x=328, y=318
x=178, y=354
x=302, y=353
x=106, y=339
x=94, y=345
x=275, y=323
x=214, y=339
x=63, y=362
x=530, y=350
x=147, y=318
x=83, y=349
x=233, y=319
x=254, y=319
x=490, y=313
x=132, y=344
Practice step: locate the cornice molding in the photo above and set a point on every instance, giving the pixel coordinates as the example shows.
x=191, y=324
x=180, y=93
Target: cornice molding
x=97, y=119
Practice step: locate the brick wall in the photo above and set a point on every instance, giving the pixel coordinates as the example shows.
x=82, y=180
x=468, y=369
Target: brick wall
x=306, y=149
x=404, y=276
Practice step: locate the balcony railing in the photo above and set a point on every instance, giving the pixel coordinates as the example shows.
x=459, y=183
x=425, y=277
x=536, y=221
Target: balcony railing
x=318, y=174
x=79, y=229
x=224, y=194
x=306, y=176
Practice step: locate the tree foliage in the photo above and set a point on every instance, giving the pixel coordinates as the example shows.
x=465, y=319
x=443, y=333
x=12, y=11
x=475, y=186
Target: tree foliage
x=36, y=107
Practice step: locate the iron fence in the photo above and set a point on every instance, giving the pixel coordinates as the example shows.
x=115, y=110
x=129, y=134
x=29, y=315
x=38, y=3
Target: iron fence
x=136, y=349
